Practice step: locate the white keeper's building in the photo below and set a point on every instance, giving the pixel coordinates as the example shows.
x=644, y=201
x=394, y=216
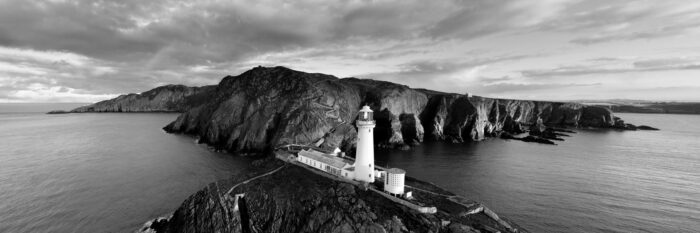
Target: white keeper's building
x=363, y=169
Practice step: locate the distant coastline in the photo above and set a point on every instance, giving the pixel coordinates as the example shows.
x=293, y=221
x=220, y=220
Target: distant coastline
x=657, y=108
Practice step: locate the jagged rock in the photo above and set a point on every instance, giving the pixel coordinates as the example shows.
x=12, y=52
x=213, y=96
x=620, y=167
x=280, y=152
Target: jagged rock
x=529, y=138
x=537, y=140
x=548, y=133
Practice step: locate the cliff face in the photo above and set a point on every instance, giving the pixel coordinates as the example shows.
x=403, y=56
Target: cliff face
x=293, y=199
x=170, y=98
x=459, y=118
x=266, y=107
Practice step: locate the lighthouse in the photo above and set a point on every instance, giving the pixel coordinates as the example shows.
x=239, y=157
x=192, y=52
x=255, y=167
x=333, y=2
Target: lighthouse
x=364, y=158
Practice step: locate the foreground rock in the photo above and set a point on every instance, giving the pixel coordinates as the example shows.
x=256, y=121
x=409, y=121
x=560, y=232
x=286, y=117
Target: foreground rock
x=293, y=199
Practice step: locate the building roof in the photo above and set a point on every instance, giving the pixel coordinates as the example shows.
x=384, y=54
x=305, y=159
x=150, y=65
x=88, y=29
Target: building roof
x=324, y=158
x=395, y=171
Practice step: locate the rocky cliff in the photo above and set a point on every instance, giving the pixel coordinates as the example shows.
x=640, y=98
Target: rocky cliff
x=288, y=198
x=265, y=107
x=170, y=98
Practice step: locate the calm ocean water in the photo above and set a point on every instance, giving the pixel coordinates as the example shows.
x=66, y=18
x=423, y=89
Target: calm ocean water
x=595, y=181
x=113, y=172
x=97, y=172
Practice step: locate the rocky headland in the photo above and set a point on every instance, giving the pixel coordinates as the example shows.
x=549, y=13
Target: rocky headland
x=278, y=197
x=265, y=107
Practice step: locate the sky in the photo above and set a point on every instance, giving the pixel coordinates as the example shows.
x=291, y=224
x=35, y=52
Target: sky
x=87, y=51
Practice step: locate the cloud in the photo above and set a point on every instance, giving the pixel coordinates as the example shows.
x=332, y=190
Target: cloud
x=665, y=31
x=510, y=87
x=455, y=76
x=474, y=19
x=647, y=65
x=451, y=66
x=633, y=20
x=94, y=47
x=42, y=93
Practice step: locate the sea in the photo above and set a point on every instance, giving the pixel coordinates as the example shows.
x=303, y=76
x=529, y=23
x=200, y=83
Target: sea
x=97, y=172
x=111, y=172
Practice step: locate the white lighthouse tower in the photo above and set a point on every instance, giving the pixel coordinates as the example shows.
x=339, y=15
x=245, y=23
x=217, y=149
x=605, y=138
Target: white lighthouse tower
x=364, y=158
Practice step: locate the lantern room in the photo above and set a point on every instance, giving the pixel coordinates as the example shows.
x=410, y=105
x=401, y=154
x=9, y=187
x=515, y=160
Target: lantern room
x=366, y=114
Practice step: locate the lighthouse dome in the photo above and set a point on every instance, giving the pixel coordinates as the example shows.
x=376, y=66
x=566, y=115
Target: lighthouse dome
x=366, y=114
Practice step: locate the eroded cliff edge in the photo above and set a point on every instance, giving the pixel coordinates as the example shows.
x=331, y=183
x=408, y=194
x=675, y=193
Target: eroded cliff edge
x=265, y=107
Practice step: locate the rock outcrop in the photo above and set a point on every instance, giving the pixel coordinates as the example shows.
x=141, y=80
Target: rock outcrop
x=293, y=199
x=266, y=107
x=169, y=98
